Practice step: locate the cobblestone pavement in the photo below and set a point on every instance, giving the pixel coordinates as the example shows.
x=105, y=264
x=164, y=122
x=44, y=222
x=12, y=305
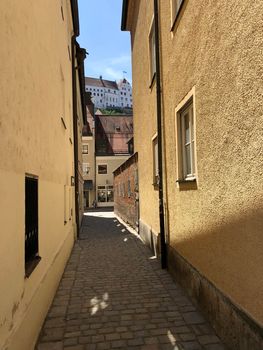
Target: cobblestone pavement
x=114, y=294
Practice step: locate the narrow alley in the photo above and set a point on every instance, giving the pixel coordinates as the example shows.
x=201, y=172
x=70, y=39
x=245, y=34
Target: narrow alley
x=113, y=294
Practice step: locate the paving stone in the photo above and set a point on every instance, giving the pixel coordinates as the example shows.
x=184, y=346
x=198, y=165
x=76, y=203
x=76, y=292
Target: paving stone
x=84, y=340
x=70, y=341
x=208, y=339
x=103, y=346
x=215, y=347
x=112, y=296
x=136, y=341
x=113, y=336
x=190, y=345
x=53, y=334
x=50, y=346
x=118, y=344
x=193, y=318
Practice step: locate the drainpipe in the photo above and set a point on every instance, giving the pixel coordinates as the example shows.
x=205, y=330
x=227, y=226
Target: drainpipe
x=75, y=131
x=160, y=142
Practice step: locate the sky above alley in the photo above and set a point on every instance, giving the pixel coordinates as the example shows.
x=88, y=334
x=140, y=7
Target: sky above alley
x=101, y=36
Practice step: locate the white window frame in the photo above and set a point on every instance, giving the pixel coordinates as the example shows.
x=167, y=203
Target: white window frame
x=187, y=105
x=187, y=112
x=152, y=51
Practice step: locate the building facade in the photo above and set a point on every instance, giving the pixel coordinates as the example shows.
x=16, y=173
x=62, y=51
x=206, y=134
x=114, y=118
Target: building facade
x=88, y=156
x=112, y=135
x=41, y=113
x=126, y=191
x=109, y=94
x=204, y=82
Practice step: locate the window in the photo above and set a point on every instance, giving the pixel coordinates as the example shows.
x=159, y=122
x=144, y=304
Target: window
x=129, y=188
x=155, y=161
x=102, y=169
x=175, y=6
x=85, y=168
x=31, y=224
x=85, y=149
x=152, y=50
x=105, y=194
x=186, y=138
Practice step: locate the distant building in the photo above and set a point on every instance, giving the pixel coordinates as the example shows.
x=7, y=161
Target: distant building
x=126, y=191
x=109, y=94
x=112, y=136
x=88, y=155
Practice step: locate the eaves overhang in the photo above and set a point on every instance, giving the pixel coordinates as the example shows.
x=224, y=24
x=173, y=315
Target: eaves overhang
x=75, y=16
x=125, y=5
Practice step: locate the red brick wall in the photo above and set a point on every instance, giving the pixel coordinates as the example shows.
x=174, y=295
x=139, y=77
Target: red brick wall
x=126, y=191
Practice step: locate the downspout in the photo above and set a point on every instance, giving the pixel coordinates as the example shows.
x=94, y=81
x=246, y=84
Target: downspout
x=75, y=132
x=160, y=142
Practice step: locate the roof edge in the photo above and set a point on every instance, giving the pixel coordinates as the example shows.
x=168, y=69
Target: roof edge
x=75, y=16
x=125, y=5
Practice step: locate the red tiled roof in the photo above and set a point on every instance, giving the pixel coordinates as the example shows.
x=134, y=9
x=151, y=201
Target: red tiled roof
x=101, y=83
x=116, y=131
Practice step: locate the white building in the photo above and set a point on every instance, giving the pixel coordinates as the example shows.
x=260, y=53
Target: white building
x=125, y=93
x=109, y=94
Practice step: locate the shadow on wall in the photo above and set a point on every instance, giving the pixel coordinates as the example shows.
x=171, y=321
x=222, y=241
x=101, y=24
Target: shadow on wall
x=229, y=254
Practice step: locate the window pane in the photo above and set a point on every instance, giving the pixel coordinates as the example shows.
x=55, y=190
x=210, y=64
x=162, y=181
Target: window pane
x=110, y=196
x=188, y=159
x=152, y=50
x=156, y=159
x=102, y=196
x=192, y=126
x=193, y=157
x=187, y=128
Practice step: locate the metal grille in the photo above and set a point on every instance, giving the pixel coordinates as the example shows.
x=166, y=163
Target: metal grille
x=31, y=213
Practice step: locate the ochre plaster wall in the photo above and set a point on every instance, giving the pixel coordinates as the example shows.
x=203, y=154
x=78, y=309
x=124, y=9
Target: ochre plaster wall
x=216, y=51
x=144, y=109
x=36, y=91
x=216, y=47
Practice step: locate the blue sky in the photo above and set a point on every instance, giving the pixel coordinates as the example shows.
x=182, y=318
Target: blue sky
x=101, y=36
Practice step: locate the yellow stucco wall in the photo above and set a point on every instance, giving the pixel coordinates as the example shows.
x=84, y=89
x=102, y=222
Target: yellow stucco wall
x=216, y=48
x=36, y=91
x=144, y=109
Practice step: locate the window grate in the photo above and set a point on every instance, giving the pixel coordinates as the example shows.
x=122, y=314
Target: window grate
x=31, y=218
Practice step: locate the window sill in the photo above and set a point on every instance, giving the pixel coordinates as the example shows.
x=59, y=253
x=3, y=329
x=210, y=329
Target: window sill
x=152, y=81
x=180, y=181
x=31, y=265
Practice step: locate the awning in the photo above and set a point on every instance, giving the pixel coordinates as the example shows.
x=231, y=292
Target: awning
x=88, y=185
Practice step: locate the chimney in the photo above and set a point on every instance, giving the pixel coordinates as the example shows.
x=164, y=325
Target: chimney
x=100, y=77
